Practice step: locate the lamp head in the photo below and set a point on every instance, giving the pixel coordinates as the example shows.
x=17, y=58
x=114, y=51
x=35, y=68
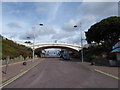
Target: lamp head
x=41, y=24
x=75, y=26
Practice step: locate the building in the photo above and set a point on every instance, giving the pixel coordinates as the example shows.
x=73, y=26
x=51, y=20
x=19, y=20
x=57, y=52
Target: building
x=116, y=49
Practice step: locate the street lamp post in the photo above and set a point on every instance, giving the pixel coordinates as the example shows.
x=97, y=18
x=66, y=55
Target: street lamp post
x=81, y=46
x=33, y=53
x=81, y=43
x=33, y=48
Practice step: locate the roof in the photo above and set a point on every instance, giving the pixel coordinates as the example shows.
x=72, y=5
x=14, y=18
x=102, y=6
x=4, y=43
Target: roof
x=116, y=50
x=116, y=47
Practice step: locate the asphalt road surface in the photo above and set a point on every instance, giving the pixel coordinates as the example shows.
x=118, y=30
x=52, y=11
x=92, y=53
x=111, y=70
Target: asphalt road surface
x=56, y=73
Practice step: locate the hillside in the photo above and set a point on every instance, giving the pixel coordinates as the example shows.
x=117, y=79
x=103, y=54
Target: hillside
x=12, y=49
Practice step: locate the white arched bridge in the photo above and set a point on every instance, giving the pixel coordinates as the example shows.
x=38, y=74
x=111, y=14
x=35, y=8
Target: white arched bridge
x=53, y=44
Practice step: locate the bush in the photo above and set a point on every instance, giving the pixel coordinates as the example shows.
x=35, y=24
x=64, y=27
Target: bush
x=98, y=52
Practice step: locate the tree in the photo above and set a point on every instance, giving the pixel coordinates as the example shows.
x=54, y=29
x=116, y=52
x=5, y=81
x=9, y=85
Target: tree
x=28, y=42
x=38, y=52
x=107, y=32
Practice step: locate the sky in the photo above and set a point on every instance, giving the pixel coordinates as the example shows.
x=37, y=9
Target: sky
x=21, y=19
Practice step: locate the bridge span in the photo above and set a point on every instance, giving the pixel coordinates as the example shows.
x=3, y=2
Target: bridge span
x=53, y=44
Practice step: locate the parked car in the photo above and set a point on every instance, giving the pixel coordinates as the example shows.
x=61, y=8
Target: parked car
x=61, y=55
x=66, y=57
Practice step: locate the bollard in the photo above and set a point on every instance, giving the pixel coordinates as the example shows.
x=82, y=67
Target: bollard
x=92, y=63
x=7, y=62
x=24, y=63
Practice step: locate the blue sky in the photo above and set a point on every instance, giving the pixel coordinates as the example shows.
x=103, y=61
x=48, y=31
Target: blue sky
x=58, y=19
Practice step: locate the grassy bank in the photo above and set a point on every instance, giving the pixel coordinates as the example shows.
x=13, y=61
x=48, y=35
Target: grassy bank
x=13, y=50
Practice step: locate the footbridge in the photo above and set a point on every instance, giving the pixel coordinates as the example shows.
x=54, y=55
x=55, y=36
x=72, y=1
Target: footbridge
x=53, y=44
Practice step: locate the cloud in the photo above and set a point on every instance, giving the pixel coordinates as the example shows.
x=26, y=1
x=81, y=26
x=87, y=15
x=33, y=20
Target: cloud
x=15, y=12
x=41, y=7
x=38, y=31
x=69, y=26
x=53, y=12
x=82, y=23
x=75, y=39
x=70, y=37
x=98, y=9
x=61, y=15
x=89, y=13
x=62, y=35
x=14, y=25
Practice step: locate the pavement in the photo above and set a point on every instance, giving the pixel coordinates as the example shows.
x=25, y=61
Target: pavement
x=111, y=70
x=56, y=73
x=16, y=68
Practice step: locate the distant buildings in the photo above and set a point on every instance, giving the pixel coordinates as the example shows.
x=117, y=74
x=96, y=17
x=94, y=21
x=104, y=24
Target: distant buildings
x=90, y=45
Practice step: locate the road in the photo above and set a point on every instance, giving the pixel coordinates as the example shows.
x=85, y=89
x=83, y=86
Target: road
x=57, y=73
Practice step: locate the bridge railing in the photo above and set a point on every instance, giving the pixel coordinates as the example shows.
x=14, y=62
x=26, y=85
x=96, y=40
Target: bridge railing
x=57, y=42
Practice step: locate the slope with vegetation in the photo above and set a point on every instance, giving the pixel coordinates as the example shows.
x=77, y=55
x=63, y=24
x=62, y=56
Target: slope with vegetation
x=12, y=49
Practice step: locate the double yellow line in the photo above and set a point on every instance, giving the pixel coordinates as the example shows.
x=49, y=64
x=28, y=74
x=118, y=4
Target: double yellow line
x=12, y=79
x=110, y=75
x=17, y=76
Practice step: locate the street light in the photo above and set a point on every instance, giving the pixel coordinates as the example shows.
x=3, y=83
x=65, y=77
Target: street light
x=34, y=43
x=81, y=43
